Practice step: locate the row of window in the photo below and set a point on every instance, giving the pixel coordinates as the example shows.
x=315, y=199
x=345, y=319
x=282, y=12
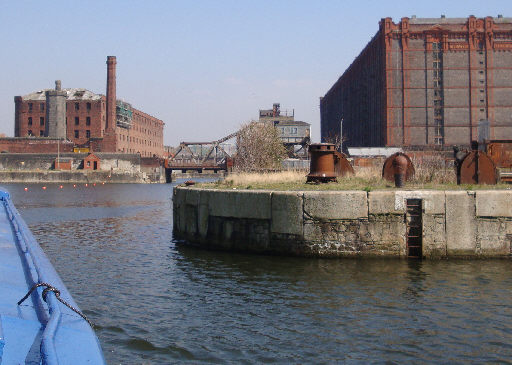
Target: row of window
x=147, y=121
x=88, y=106
x=77, y=121
x=131, y=150
x=87, y=133
x=292, y=130
x=31, y=107
x=77, y=133
x=41, y=121
x=41, y=106
x=137, y=140
x=438, y=93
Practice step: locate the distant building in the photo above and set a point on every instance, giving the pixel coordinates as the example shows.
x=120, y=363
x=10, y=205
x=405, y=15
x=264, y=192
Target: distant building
x=425, y=82
x=90, y=121
x=290, y=131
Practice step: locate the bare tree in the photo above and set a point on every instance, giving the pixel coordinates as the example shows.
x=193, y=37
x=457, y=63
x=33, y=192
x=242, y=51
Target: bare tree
x=335, y=139
x=259, y=147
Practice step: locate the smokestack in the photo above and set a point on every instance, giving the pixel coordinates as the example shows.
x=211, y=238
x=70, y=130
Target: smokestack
x=111, y=93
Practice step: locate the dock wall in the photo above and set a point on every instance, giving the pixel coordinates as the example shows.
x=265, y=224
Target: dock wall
x=77, y=176
x=345, y=223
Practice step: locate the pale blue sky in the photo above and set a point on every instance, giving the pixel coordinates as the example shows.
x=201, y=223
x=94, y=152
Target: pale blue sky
x=203, y=67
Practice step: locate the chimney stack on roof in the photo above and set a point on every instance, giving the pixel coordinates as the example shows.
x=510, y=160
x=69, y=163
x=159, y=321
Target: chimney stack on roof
x=55, y=125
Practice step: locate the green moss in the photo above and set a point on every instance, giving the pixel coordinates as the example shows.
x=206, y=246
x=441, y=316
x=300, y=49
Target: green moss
x=346, y=184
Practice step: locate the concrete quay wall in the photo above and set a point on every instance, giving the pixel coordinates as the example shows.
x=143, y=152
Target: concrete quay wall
x=345, y=223
x=77, y=176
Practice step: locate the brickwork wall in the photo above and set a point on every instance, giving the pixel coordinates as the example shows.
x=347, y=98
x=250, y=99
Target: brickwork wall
x=34, y=145
x=362, y=82
x=475, y=83
x=86, y=118
x=146, y=136
x=92, y=122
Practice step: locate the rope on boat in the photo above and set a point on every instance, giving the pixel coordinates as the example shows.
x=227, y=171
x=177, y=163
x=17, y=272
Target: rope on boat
x=57, y=295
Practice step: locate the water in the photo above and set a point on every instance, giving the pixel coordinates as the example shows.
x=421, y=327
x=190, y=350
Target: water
x=157, y=302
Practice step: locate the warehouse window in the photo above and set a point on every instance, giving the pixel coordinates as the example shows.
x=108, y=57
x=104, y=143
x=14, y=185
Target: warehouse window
x=77, y=133
x=41, y=133
x=29, y=120
x=41, y=107
x=77, y=106
x=88, y=107
x=41, y=121
x=30, y=106
x=88, y=133
x=88, y=121
x=77, y=120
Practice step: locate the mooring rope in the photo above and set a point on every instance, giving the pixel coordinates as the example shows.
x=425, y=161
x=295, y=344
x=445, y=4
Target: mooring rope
x=57, y=295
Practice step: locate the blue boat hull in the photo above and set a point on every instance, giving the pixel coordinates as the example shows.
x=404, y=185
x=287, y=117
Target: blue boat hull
x=36, y=331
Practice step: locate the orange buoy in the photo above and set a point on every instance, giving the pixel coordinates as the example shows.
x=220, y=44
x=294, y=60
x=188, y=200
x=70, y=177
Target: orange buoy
x=60, y=186
x=26, y=189
x=44, y=187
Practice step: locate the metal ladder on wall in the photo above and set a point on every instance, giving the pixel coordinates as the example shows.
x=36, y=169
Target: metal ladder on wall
x=414, y=226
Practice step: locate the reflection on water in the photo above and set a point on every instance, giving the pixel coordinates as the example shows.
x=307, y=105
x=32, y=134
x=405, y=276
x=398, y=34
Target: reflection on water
x=157, y=302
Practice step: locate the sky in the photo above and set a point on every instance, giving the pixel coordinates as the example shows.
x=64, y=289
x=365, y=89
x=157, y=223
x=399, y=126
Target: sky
x=203, y=67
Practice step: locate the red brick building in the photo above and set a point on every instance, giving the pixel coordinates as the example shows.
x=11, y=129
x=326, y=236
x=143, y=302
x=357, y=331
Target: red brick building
x=425, y=82
x=86, y=121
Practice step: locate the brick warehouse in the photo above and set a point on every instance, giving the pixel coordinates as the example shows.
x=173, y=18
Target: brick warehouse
x=425, y=82
x=90, y=121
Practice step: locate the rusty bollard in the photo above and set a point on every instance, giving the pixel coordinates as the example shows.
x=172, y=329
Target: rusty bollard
x=399, y=170
x=322, y=163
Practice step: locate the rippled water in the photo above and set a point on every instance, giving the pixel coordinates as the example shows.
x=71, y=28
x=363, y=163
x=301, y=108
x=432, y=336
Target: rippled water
x=156, y=302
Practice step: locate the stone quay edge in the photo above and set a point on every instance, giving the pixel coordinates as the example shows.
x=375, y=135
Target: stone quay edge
x=454, y=223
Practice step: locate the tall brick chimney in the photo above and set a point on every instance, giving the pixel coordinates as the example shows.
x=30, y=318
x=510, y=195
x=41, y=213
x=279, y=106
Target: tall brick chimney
x=109, y=141
x=111, y=93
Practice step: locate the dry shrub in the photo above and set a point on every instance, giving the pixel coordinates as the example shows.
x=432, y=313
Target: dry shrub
x=253, y=178
x=259, y=147
x=369, y=173
x=433, y=169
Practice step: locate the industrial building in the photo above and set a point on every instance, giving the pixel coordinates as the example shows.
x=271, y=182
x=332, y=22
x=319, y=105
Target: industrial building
x=91, y=122
x=295, y=134
x=426, y=83
x=289, y=130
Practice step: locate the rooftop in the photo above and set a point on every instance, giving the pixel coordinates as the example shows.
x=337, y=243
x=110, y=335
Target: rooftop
x=292, y=122
x=445, y=20
x=72, y=94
